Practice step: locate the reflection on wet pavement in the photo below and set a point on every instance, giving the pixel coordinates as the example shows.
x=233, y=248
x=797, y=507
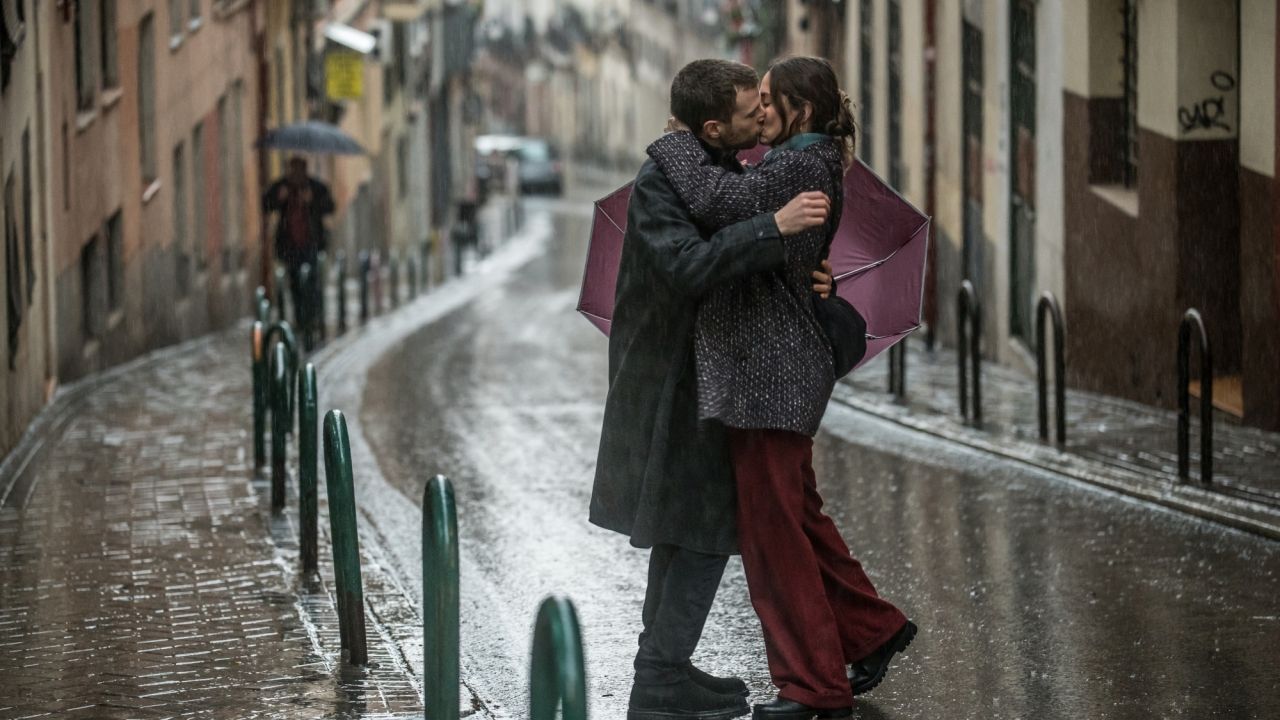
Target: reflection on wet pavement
x=1037, y=597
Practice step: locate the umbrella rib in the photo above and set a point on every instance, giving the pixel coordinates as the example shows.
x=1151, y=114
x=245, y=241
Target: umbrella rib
x=883, y=260
x=908, y=331
x=605, y=215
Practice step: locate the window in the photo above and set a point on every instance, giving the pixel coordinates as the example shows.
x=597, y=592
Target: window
x=13, y=269
x=91, y=289
x=114, y=233
x=176, y=24
x=198, y=199
x=181, y=243
x=866, y=79
x=147, y=97
x=110, y=66
x=1129, y=144
x=225, y=172
x=237, y=167
x=86, y=77
x=194, y=8
x=28, y=234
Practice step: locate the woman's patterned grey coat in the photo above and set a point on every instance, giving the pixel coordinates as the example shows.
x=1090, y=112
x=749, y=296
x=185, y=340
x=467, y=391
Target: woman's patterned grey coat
x=763, y=360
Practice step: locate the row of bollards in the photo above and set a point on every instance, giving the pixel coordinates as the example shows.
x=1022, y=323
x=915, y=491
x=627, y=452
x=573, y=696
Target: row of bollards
x=1048, y=312
x=557, y=674
x=372, y=300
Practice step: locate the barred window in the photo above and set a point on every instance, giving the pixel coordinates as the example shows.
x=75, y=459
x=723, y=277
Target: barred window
x=1129, y=144
x=198, y=197
x=86, y=72
x=181, y=242
x=110, y=66
x=114, y=232
x=147, y=97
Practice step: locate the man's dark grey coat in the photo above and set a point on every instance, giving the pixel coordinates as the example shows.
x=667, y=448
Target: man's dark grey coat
x=662, y=476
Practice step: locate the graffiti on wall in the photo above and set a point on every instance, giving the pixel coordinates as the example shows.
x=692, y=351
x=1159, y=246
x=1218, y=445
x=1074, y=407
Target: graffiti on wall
x=1210, y=112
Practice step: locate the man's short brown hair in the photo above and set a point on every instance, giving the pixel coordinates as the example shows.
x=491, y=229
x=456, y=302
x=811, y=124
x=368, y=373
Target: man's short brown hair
x=708, y=90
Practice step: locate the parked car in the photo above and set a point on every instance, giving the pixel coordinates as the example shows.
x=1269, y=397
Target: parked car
x=540, y=168
x=492, y=152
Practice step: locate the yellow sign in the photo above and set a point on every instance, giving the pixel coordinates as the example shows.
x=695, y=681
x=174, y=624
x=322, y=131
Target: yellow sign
x=343, y=75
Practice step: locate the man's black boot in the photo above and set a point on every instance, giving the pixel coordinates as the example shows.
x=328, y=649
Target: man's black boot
x=867, y=673
x=683, y=700
x=790, y=710
x=722, y=685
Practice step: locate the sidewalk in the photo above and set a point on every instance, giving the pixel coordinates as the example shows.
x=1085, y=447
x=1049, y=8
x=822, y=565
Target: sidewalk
x=142, y=576
x=1121, y=445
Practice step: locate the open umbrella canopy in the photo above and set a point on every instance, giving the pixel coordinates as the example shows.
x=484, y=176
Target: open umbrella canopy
x=311, y=136
x=878, y=255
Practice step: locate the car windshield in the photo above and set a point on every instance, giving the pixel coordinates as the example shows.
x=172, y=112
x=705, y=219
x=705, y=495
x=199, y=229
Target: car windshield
x=535, y=152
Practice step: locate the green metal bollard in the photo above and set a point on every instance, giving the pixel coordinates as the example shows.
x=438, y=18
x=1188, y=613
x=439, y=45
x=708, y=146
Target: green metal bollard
x=322, y=277
x=279, y=293
x=342, y=293
x=291, y=344
x=303, y=308
x=557, y=673
x=279, y=426
x=440, y=598
x=346, y=544
x=264, y=311
x=259, y=350
x=308, y=428
x=260, y=296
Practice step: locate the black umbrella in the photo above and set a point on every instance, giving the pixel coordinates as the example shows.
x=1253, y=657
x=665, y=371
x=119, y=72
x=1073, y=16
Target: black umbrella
x=312, y=137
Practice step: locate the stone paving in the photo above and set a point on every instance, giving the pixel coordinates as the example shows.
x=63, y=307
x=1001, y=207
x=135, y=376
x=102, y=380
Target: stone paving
x=142, y=576
x=1123, y=445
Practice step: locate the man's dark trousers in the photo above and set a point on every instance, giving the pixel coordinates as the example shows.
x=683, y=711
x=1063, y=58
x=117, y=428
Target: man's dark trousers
x=682, y=587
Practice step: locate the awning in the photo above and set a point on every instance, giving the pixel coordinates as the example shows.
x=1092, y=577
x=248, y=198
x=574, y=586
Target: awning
x=349, y=37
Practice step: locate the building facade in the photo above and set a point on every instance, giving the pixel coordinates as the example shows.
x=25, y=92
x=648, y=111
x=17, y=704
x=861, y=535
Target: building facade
x=1119, y=154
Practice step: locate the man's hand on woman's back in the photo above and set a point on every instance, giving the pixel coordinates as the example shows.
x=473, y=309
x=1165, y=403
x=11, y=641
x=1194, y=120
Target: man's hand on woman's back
x=806, y=210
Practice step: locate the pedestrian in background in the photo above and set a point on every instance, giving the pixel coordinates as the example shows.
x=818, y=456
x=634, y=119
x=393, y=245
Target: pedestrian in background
x=302, y=202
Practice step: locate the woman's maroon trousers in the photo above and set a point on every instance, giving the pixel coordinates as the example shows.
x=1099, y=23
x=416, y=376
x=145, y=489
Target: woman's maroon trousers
x=818, y=609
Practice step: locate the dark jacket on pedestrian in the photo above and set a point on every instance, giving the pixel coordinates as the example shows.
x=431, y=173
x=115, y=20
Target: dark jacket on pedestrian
x=321, y=204
x=663, y=476
x=763, y=359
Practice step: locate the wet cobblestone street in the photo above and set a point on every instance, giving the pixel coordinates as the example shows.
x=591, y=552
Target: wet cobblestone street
x=142, y=577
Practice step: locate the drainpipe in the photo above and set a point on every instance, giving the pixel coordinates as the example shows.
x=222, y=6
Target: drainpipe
x=931, y=164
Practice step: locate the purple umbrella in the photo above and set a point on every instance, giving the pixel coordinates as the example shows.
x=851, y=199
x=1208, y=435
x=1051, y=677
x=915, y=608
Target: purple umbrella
x=600, y=279
x=878, y=255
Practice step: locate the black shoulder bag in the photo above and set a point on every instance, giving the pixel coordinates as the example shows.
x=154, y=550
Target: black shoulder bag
x=844, y=326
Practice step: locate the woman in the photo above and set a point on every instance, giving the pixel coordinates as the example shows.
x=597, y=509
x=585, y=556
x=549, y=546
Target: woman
x=765, y=371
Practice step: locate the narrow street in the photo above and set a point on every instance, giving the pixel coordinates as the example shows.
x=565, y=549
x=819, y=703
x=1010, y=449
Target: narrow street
x=1038, y=597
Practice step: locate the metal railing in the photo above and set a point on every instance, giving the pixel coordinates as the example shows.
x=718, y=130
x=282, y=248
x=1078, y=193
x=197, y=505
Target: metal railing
x=1191, y=320
x=969, y=337
x=1048, y=307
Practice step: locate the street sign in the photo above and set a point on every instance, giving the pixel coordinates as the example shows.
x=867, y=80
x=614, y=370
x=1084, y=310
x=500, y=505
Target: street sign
x=343, y=75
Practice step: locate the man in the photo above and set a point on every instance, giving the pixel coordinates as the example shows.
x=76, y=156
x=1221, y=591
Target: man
x=663, y=477
x=302, y=202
